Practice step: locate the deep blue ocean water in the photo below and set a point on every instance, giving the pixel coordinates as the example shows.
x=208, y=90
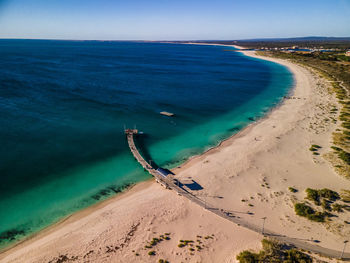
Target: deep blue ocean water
x=64, y=104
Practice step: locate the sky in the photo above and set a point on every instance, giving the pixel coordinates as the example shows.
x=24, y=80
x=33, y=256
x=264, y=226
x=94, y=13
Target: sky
x=173, y=19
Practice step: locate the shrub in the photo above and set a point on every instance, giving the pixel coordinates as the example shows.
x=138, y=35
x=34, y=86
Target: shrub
x=337, y=208
x=313, y=195
x=274, y=252
x=345, y=196
x=294, y=255
x=301, y=209
x=329, y=194
x=345, y=156
x=326, y=205
x=317, y=217
x=247, y=257
x=292, y=189
x=151, y=253
x=314, y=147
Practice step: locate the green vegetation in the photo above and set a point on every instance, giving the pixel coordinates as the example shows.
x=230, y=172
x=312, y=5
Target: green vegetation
x=163, y=261
x=345, y=196
x=292, y=189
x=154, y=242
x=314, y=147
x=326, y=205
x=345, y=156
x=184, y=243
x=335, y=67
x=329, y=194
x=302, y=209
x=274, y=252
x=325, y=198
x=315, y=195
x=337, y=208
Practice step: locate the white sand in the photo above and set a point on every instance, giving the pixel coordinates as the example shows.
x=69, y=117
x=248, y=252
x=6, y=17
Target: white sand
x=273, y=152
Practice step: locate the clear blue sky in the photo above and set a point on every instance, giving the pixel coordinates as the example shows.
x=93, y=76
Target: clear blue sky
x=172, y=19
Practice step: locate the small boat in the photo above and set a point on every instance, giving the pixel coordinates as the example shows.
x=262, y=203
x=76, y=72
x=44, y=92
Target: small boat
x=165, y=113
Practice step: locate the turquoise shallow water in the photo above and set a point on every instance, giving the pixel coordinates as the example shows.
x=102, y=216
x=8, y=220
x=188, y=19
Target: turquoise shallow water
x=63, y=106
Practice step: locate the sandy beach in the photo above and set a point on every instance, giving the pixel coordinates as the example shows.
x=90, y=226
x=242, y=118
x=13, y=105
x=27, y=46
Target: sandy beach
x=248, y=174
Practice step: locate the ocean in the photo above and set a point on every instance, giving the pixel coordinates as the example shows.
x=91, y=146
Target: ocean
x=64, y=106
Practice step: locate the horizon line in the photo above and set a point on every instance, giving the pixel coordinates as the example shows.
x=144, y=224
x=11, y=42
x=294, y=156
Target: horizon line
x=165, y=40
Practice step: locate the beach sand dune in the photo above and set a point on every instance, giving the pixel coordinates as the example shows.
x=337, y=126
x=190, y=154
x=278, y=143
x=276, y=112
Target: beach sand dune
x=248, y=174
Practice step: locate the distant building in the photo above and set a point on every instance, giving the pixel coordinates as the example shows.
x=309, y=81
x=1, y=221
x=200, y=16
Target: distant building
x=347, y=53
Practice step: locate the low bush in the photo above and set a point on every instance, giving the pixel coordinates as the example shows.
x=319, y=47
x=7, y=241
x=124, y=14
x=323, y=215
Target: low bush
x=337, y=208
x=345, y=156
x=302, y=209
x=274, y=252
x=326, y=205
x=292, y=189
x=345, y=196
x=317, y=217
x=329, y=194
x=313, y=195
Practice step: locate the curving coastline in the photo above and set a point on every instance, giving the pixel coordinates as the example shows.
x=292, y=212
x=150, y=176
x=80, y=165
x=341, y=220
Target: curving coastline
x=241, y=160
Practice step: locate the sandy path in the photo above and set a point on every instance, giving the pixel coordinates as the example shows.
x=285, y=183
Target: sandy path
x=258, y=165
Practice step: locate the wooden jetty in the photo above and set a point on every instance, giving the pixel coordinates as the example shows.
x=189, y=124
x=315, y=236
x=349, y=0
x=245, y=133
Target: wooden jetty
x=130, y=133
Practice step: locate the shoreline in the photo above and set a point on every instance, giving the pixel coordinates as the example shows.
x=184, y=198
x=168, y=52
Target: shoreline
x=246, y=129
x=78, y=215
x=144, y=184
x=191, y=166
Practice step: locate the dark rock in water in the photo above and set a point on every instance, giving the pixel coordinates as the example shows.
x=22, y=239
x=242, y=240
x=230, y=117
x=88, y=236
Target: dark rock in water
x=115, y=189
x=233, y=129
x=251, y=118
x=11, y=234
x=108, y=191
x=96, y=197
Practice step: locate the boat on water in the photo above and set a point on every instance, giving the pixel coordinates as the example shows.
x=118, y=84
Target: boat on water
x=169, y=114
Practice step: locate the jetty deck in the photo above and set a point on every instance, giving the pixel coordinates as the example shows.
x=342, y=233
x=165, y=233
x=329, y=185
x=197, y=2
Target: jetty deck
x=130, y=134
